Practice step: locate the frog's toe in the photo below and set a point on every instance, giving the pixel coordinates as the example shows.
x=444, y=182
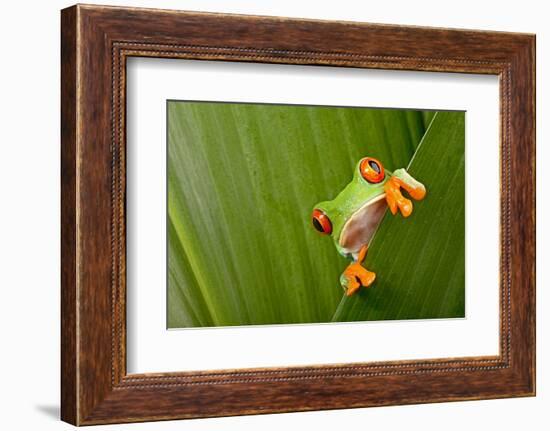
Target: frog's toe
x=417, y=191
x=405, y=206
x=367, y=278
x=395, y=198
x=349, y=283
x=414, y=188
x=353, y=287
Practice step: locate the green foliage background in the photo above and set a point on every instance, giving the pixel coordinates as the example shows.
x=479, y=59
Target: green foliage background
x=242, y=181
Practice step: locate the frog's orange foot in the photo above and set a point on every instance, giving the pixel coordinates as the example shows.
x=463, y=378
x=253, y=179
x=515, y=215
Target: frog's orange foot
x=355, y=276
x=395, y=198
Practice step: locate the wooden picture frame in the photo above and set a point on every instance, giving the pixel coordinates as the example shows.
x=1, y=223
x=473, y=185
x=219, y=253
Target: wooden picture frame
x=96, y=41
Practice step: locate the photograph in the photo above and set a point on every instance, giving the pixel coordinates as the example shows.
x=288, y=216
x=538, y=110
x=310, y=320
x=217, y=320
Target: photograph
x=297, y=214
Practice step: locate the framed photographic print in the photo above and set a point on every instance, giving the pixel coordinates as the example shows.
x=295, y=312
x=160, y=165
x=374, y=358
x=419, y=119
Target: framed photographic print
x=265, y=214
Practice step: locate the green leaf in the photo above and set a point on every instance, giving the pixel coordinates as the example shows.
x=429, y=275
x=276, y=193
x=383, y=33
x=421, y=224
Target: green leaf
x=242, y=181
x=427, y=117
x=419, y=261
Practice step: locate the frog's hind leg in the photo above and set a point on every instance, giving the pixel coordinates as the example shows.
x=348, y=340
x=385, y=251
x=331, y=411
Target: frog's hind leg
x=362, y=253
x=355, y=275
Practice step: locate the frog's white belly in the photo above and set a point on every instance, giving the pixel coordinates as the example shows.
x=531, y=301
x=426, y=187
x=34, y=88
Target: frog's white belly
x=360, y=228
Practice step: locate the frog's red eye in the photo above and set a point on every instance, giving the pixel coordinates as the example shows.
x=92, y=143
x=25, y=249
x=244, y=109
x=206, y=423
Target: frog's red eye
x=321, y=222
x=371, y=170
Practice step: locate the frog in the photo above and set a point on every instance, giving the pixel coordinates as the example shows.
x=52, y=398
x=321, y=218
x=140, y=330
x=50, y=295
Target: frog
x=353, y=216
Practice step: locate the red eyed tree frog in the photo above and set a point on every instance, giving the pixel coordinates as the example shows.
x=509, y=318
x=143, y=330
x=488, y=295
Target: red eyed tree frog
x=352, y=217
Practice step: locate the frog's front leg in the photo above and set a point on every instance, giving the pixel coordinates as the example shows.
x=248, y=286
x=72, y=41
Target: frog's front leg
x=394, y=198
x=355, y=275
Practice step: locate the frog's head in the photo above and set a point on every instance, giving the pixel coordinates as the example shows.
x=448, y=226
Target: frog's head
x=352, y=217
